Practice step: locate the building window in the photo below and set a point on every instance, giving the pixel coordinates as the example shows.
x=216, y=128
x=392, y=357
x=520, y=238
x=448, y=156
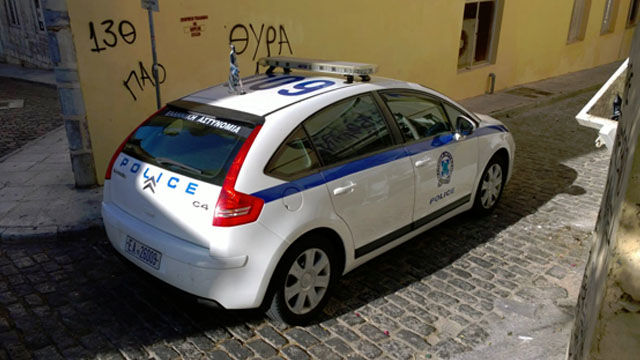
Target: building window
x=579, y=19
x=39, y=16
x=609, y=16
x=12, y=12
x=477, y=36
x=633, y=13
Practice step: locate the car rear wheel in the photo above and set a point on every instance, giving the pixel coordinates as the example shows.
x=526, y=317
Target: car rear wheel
x=303, y=281
x=490, y=186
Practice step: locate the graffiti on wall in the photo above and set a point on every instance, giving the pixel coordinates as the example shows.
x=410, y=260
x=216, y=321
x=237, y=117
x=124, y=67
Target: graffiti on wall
x=106, y=34
x=250, y=38
x=260, y=37
x=141, y=76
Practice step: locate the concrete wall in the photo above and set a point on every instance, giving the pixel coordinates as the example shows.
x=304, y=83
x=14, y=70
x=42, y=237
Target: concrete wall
x=26, y=43
x=416, y=40
x=615, y=229
x=63, y=55
x=617, y=331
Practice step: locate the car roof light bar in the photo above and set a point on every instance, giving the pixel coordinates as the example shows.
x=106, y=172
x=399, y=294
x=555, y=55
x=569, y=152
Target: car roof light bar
x=348, y=69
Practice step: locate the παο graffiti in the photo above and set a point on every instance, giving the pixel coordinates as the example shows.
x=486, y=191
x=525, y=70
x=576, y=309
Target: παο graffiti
x=108, y=37
x=239, y=37
x=143, y=78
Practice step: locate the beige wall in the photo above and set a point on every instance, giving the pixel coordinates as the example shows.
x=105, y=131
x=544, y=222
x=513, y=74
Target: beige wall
x=414, y=40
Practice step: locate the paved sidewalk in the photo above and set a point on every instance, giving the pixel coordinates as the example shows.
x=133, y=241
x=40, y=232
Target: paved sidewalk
x=38, y=199
x=509, y=102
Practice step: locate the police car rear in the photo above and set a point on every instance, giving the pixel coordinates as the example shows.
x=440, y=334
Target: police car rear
x=171, y=204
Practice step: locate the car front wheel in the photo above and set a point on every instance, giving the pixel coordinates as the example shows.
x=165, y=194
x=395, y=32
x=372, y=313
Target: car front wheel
x=302, y=283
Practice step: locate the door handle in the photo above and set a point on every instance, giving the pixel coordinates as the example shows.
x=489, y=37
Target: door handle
x=344, y=189
x=422, y=162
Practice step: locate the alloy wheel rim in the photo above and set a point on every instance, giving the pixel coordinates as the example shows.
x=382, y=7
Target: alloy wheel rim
x=491, y=186
x=307, y=281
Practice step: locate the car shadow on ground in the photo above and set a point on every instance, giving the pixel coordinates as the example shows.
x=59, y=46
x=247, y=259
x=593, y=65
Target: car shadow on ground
x=133, y=302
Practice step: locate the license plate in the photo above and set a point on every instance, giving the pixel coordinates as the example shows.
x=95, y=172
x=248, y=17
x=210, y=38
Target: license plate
x=141, y=251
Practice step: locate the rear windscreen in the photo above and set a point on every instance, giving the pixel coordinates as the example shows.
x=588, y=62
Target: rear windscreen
x=192, y=144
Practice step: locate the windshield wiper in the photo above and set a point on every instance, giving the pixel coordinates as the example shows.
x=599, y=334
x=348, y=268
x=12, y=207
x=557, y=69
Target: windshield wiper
x=167, y=161
x=133, y=145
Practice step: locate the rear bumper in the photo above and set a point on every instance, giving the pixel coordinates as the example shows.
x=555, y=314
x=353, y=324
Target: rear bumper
x=235, y=270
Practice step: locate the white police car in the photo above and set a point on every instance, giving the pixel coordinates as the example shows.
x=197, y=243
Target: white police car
x=267, y=195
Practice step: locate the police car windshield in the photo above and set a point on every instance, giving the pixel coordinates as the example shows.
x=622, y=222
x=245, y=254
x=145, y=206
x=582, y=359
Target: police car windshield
x=195, y=145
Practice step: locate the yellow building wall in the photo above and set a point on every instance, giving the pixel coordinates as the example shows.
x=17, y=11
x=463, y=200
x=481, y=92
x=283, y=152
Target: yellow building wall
x=416, y=40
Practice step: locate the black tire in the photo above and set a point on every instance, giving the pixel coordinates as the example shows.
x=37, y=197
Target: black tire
x=286, y=308
x=487, y=195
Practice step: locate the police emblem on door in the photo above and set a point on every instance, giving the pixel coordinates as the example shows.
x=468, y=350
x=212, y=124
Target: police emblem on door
x=445, y=168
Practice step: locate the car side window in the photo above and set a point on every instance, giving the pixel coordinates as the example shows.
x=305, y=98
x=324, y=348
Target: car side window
x=294, y=158
x=348, y=129
x=418, y=117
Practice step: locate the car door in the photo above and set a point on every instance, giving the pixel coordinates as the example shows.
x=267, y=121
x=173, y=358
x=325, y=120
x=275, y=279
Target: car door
x=444, y=164
x=368, y=175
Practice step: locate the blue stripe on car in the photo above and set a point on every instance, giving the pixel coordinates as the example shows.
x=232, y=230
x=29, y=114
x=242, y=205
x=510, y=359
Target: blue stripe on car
x=486, y=130
x=290, y=188
x=349, y=168
x=340, y=171
x=416, y=148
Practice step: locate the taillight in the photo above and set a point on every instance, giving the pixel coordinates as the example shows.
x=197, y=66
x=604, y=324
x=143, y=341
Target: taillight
x=107, y=175
x=233, y=207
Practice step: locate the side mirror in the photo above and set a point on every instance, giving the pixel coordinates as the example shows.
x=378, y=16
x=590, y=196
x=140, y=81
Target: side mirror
x=464, y=126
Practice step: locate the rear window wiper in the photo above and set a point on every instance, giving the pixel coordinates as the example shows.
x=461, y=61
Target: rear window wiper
x=133, y=145
x=167, y=161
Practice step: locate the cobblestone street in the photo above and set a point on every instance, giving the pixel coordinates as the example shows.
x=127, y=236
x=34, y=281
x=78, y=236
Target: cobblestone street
x=40, y=114
x=463, y=288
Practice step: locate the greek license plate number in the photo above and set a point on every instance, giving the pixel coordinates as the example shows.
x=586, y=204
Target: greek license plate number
x=141, y=251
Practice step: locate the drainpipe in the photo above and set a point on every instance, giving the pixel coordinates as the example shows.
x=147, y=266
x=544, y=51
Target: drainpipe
x=492, y=82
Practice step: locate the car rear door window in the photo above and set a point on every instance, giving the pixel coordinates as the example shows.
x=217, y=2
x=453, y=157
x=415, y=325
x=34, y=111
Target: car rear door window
x=294, y=158
x=417, y=116
x=348, y=129
x=192, y=144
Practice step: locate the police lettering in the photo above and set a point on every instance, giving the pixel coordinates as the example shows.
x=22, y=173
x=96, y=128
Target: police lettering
x=173, y=182
x=442, y=195
x=205, y=120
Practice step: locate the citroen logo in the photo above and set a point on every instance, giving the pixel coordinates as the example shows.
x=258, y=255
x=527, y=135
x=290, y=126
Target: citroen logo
x=150, y=184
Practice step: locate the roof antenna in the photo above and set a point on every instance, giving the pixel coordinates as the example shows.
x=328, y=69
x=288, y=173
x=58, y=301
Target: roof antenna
x=235, y=83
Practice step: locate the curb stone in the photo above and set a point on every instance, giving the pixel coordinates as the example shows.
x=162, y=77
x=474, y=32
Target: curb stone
x=18, y=235
x=39, y=233
x=32, y=81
